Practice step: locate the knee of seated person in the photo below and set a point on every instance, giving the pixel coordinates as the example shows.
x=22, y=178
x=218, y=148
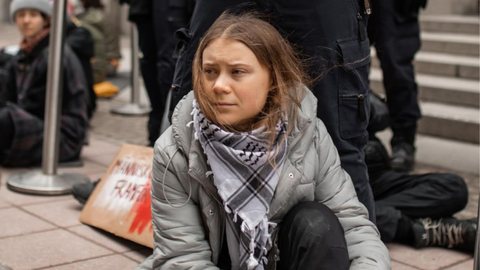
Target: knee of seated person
x=459, y=189
x=314, y=219
x=456, y=190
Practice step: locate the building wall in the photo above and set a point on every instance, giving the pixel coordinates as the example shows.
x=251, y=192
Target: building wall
x=466, y=7
x=4, y=10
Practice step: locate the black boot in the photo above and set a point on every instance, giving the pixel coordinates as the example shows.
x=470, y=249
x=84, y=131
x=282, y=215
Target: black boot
x=403, y=157
x=81, y=192
x=445, y=232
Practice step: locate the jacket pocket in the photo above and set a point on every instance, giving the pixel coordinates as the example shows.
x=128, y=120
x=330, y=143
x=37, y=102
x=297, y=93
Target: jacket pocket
x=353, y=88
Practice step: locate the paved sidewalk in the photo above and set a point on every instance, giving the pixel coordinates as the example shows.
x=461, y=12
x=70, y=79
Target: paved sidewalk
x=43, y=232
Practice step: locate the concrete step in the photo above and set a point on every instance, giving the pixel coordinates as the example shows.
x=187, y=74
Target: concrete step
x=450, y=122
x=451, y=155
x=442, y=64
x=453, y=91
x=459, y=44
x=450, y=24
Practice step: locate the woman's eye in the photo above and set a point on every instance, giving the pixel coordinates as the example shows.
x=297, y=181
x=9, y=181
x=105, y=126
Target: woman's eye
x=238, y=72
x=208, y=71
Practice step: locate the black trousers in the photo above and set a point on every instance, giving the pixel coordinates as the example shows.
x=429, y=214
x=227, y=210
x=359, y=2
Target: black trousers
x=7, y=130
x=311, y=237
x=394, y=30
x=432, y=195
x=156, y=33
x=331, y=35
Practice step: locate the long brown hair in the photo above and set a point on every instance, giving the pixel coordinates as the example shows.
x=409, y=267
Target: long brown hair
x=273, y=52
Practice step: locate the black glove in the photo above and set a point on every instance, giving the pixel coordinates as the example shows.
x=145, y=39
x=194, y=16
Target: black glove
x=379, y=115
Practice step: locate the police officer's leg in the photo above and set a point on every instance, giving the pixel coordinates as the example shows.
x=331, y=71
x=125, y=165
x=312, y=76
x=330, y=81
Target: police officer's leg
x=148, y=67
x=311, y=237
x=337, y=52
x=169, y=16
x=396, y=41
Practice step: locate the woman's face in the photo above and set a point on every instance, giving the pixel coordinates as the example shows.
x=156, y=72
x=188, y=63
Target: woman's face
x=29, y=22
x=235, y=82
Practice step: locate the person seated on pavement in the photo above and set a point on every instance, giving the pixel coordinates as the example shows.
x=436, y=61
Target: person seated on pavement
x=415, y=209
x=90, y=15
x=22, y=97
x=247, y=174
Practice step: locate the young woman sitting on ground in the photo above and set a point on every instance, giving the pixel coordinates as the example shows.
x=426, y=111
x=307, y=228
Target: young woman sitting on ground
x=247, y=176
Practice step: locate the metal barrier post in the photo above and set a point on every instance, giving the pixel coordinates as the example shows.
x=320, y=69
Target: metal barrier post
x=48, y=182
x=133, y=108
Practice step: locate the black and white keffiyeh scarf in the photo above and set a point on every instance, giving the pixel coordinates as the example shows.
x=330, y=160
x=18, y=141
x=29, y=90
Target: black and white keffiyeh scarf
x=245, y=180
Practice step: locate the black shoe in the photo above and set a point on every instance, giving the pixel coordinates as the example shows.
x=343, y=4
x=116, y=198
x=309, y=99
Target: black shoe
x=81, y=192
x=403, y=157
x=445, y=232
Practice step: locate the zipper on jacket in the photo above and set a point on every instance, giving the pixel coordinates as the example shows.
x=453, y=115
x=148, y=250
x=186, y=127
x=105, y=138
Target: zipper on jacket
x=221, y=218
x=208, y=189
x=361, y=27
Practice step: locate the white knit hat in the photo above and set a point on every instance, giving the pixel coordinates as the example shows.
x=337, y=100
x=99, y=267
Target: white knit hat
x=44, y=6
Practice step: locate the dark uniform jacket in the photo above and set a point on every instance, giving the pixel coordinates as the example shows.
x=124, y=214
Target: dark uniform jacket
x=24, y=97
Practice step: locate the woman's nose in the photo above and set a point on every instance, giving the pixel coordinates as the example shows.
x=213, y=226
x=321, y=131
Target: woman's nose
x=221, y=84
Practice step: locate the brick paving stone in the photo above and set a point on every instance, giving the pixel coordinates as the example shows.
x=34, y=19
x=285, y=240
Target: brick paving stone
x=46, y=249
x=98, y=147
x=426, y=258
x=117, y=128
x=401, y=266
x=4, y=204
x=462, y=266
x=88, y=168
x=117, y=262
x=139, y=255
x=61, y=213
x=3, y=267
x=104, y=160
x=14, y=221
x=20, y=199
x=103, y=238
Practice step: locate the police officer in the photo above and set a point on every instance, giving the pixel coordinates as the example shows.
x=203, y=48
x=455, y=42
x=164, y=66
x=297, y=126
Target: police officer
x=157, y=22
x=394, y=30
x=331, y=35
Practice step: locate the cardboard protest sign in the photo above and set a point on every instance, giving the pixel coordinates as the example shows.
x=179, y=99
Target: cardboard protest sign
x=120, y=203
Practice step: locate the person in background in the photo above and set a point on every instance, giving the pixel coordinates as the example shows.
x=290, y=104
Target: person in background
x=113, y=31
x=157, y=22
x=394, y=30
x=90, y=15
x=247, y=176
x=415, y=209
x=22, y=97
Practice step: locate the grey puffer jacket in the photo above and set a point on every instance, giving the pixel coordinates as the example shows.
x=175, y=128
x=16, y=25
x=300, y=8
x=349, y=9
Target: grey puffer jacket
x=188, y=215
